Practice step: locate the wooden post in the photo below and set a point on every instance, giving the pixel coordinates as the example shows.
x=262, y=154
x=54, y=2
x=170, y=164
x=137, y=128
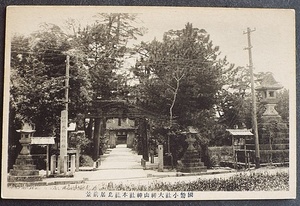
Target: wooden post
x=245, y=151
x=77, y=159
x=235, y=158
x=52, y=164
x=248, y=160
x=254, y=118
x=47, y=161
x=160, y=158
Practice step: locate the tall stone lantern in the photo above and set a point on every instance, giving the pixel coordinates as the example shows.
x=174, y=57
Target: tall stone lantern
x=191, y=161
x=24, y=169
x=273, y=132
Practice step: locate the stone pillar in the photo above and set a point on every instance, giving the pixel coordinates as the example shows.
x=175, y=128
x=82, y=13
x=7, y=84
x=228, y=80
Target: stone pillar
x=58, y=164
x=73, y=164
x=112, y=137
x=63, y=138
x=53, y=164
x=130, y=139
x=151, y=156
x=65, y=166
x=160, y=158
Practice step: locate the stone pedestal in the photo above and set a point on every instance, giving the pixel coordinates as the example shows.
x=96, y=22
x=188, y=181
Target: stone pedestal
x=192, y=162
x=274, y=141
x=24, y=170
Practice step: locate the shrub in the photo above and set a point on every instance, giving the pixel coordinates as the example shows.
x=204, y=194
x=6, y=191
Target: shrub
x=86, y=161
x=240, y=182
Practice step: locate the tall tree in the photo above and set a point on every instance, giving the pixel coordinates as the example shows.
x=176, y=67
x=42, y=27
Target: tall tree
x=103, y=45
x=38, y=74
x=180, y=76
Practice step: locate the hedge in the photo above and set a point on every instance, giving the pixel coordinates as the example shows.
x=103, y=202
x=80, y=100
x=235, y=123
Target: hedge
x=239, y=182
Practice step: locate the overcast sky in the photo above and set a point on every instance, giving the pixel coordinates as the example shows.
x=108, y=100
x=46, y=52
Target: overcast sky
x=273, y=41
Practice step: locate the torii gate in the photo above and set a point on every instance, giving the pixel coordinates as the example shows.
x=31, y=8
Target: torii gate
x=102, y=110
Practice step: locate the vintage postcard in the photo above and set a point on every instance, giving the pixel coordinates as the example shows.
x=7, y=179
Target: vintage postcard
x=149, y=103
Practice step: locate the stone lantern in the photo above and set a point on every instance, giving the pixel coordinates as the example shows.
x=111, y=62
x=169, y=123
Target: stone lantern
x=268, y=88
x=24, y=170
x=26, y=134
x=191, y=161
x=273, y=132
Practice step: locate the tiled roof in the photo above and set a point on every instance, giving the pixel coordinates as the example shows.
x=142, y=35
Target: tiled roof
x=268, y=82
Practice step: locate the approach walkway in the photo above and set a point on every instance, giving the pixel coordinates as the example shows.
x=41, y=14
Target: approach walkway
x=120, y=158
x=118, y=165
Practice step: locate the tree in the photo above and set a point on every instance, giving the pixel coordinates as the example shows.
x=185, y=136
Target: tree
x=179, y=79
x=283, y=104
x=103, y=45
x=182, y=71
x=38, y=73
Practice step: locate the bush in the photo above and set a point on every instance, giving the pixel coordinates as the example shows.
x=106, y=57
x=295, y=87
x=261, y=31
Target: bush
x=86, y=161
x=214, y=160
x=239, y=182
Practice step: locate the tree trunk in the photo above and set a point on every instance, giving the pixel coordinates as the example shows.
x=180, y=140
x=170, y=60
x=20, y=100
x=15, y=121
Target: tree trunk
x=96, y=139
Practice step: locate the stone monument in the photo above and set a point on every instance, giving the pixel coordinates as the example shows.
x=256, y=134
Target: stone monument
x=24, y=171
x=191, y=161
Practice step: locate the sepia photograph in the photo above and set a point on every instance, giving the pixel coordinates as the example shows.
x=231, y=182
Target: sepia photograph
x=149, y=103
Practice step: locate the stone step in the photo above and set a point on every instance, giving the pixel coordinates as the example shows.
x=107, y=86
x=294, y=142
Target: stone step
x=23, y=172
x=26, y=184
x=32, y=178
x=24, y=167
x=191, y=157
x=193, y=164
x=21, y=161
x=191, y=160
x=192, y=154
x=194, y=169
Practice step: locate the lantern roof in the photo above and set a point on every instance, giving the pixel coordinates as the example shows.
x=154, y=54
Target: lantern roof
x=269, y=83
x=26, y=128
x=191, y=130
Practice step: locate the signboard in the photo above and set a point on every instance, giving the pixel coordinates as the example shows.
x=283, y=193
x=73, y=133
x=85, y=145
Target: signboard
x=42, y=140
